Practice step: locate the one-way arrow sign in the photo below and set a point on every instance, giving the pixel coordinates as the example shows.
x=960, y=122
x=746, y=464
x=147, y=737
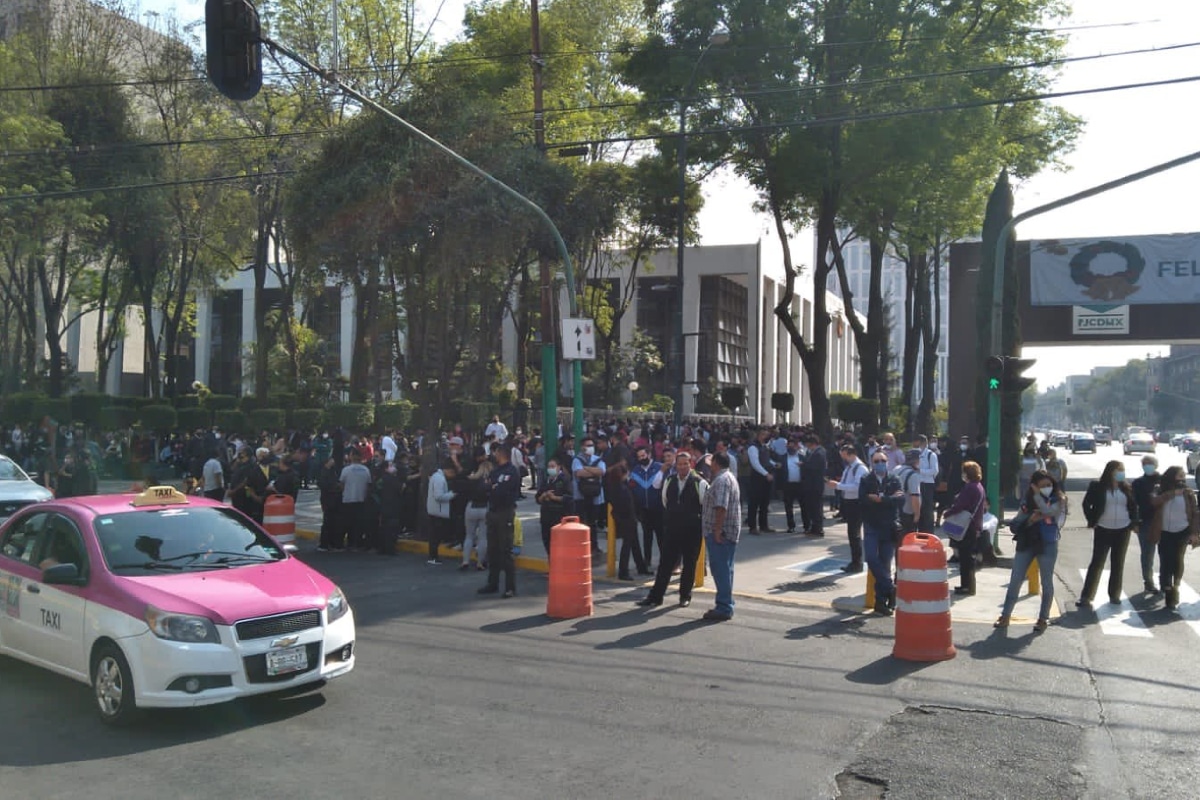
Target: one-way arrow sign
x=579, y=339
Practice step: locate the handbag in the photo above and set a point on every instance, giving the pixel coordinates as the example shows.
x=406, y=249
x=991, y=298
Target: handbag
x=957, y=524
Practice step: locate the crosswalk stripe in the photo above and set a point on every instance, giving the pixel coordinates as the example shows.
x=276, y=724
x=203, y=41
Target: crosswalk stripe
x=1189, y=607
x=1123, y=619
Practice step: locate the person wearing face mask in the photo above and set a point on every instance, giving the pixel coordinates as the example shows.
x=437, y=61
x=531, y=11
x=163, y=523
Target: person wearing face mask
x=1037, y=529
x=588, y=469
x=881, y=499
x=970, y=498
x=852, y=474
x=1144, y=487
x=1176, y=525
x=646, y=481
x=554, y=500
x=683, y=501
x=789, y=475
x=1111, y=512
x=1056, y=468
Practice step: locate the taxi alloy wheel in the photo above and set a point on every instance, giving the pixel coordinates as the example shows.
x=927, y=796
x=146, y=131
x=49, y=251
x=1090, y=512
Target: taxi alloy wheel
x=113, y=686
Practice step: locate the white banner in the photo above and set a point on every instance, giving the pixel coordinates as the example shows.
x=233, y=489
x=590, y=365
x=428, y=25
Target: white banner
x=1128, y=270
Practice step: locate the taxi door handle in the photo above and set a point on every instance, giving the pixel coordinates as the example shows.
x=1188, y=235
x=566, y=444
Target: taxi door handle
x=33, y=588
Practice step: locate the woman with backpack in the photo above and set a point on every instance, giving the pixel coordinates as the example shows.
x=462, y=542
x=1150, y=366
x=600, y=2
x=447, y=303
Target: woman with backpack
x=1036, y=531
x=1111, y=512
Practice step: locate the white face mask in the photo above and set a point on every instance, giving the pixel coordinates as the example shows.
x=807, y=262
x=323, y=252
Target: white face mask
x=1046, y=491
x=589, y=450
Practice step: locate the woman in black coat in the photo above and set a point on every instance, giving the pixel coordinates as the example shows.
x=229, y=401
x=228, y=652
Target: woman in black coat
x=620, y=498
x=1111, y=512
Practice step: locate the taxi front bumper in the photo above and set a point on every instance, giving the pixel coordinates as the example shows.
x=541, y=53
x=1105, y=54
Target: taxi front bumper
x=169, y=674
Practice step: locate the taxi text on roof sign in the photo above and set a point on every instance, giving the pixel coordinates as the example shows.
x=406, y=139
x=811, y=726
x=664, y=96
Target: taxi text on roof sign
x=160, y=496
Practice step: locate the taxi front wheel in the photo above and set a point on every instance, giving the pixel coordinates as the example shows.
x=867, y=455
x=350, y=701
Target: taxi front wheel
x=112, y=684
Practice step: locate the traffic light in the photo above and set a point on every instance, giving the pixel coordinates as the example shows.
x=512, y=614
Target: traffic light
x=994, y=367
x=1004, y=373
x=1013, y=381
x=234, y=47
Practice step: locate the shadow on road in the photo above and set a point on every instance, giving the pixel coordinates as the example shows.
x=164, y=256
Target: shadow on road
x=885, y=671
x=649, y=636
x=1000, y=644
x=58, y=724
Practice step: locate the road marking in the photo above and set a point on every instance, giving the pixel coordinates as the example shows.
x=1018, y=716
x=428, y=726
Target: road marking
x=1119, y=620
x=1189, y=607
x=820, y=568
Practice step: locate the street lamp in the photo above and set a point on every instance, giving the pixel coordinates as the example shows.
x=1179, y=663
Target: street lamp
x=718, y=37
x=633, y=387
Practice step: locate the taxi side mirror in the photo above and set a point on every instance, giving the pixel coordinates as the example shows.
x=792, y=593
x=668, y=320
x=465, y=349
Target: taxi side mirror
x=291, y=549
x=62, y=574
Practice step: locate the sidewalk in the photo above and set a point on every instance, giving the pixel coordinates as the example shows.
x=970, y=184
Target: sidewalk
x=774, y=567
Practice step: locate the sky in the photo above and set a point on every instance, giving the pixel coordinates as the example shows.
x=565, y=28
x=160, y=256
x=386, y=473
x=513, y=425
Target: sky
x=1125, y=132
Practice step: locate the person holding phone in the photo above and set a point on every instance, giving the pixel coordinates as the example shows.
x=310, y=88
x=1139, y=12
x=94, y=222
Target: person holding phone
x=881, y=497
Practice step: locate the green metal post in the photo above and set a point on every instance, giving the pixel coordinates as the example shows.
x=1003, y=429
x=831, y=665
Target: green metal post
x=994, y=443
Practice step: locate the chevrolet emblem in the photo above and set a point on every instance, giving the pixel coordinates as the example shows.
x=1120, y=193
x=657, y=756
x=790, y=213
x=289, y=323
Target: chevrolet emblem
x=285, y=641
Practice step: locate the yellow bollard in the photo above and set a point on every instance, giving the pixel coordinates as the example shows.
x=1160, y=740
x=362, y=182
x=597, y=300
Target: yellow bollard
x=611, y=571
x=1035, y=579
x=699, y=581
x=869, y=605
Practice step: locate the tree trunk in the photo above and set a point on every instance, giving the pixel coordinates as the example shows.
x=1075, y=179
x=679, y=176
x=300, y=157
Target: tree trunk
x=912, y=342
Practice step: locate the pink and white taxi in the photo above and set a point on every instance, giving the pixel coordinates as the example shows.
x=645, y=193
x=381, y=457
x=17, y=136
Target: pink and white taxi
x=163, y=600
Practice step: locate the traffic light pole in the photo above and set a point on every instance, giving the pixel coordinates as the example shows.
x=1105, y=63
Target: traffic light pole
x=994, y=444
x=549, y=365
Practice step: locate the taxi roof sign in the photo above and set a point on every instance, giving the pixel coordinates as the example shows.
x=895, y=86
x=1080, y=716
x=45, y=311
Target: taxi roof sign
x=159, y=496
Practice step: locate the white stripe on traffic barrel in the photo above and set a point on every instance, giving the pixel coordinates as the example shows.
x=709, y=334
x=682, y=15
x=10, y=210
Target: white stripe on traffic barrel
x=923, y=606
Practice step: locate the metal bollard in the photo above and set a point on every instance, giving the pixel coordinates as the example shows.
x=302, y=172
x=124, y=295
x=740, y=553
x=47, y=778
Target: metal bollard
x=700, y=564
x=1034, y=577
x=611, y=570
x=869, y=604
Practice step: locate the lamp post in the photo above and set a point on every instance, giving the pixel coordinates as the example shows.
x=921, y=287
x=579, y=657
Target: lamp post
x=633, y=387
x=718, y=37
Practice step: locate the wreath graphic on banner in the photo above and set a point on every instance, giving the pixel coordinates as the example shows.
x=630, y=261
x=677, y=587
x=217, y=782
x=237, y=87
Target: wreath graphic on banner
x=1117, y=286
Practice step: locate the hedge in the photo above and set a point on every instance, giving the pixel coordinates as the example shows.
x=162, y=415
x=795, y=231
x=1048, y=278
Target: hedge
x=192, y=418
x=395, y=415
x=182, y=401
x=221, y=402
x=25, y=407
x=267, y=419
x=353, y=416
x=113, y=417
x=86, y=407
x=305, y=420
x=860, y=410
x=159, y=418
x=230, y=420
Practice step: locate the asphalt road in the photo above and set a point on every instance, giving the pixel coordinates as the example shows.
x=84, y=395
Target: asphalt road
x=460, y=697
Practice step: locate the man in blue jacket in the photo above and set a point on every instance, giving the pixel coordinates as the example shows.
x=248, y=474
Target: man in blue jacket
x=646, y=480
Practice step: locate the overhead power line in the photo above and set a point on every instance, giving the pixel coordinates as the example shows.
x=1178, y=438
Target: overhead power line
x=139, y=186
x=591, y=108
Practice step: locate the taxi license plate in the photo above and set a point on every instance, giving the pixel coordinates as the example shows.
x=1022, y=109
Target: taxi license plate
x=292, y=659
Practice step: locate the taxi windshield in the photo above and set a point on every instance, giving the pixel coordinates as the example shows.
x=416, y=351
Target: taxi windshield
x=142, y=542
x=11, y=472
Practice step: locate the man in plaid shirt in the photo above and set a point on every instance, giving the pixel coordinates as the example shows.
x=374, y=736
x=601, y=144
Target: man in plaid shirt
x=722, y=523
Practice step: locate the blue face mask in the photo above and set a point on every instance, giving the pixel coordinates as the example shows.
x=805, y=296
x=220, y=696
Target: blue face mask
x=880, y=467
x=1148, y=469
x=1119, y=476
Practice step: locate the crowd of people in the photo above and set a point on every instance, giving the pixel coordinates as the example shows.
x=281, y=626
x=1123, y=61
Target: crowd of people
x=664, y=495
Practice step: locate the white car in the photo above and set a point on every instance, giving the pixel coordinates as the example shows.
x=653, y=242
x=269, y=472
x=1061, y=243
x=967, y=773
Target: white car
x=158, y=599
x=17, y=489
x=1138, y=443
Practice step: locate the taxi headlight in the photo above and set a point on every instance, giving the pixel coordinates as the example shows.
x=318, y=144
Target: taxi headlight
x=336, y=606
x=181, y=627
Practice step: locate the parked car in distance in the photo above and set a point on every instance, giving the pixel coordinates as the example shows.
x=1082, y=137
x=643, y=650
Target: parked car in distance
x=1059, y=438
x=1102, y=433
x=1138, y=443
x=1189, y=441
x=1083, y=442
x=17, y=489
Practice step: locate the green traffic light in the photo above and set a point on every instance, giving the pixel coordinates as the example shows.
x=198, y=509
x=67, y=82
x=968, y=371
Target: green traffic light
x=994, y=384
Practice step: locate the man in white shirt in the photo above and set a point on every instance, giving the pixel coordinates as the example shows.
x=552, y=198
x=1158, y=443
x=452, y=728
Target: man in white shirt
x=497, y=429
x=852, y=475
x=355, y=482
x=792, y=462
x=928, y=467
x=214, y=478
x=388, y=445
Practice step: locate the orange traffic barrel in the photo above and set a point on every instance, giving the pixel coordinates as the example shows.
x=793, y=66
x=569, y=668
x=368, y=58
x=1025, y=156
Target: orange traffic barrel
x=570, y=592
x=923, y=630
x=279, y=518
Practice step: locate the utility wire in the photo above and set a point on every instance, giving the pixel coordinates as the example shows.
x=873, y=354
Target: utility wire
x=800, y=92
x=10, y=198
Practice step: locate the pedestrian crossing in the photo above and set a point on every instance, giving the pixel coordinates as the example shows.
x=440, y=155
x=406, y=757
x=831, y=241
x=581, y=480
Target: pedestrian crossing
x=1128, y=621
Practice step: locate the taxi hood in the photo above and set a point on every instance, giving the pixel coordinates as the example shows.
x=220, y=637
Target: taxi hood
x=228, y=595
